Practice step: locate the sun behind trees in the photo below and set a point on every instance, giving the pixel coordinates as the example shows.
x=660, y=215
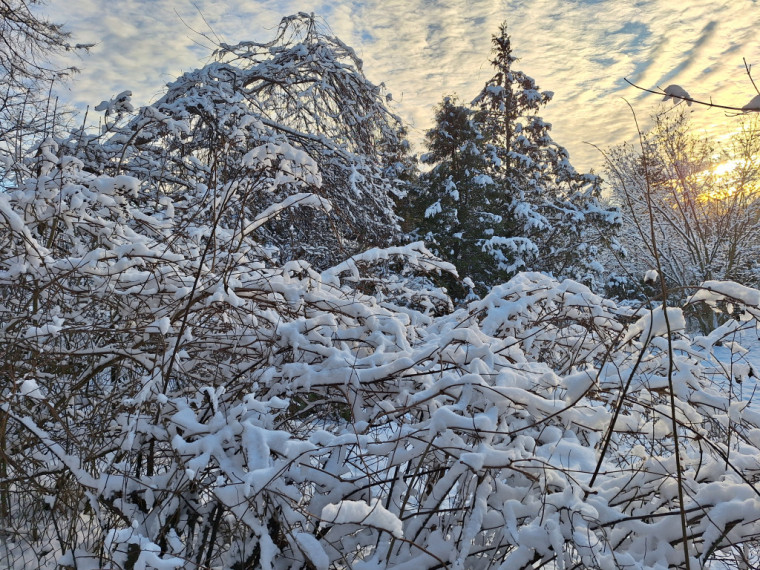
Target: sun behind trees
x=701, y=201
x=181, y=389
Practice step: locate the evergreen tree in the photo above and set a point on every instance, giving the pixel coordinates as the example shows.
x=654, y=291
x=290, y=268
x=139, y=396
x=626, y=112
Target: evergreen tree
x=457, y=205
x=552, y=205
x=502, y=195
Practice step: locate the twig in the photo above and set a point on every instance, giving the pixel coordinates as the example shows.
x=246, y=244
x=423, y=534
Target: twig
x=697, y=101
x=748, y=67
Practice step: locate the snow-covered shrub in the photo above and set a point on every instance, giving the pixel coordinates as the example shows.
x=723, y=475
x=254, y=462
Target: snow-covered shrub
x=172, y=397
x=252, y=119
x=174, y=394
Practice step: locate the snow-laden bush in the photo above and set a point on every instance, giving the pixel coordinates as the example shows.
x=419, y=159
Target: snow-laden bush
x=173, y=398
x=252, y=119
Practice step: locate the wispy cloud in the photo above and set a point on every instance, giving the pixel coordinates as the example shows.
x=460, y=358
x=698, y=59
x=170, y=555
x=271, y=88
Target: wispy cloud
x=424, y=49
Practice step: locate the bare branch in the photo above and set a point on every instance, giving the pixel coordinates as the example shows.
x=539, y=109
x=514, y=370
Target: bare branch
x=660, y=91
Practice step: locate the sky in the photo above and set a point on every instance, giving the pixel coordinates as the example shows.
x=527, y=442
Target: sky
x=581, y=50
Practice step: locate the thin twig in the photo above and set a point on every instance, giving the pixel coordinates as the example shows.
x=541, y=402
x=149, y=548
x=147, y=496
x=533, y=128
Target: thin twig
x=690, y=100
x=748, y=67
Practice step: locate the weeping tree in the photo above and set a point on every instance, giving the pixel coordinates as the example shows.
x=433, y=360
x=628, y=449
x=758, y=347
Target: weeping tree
x=214, y=123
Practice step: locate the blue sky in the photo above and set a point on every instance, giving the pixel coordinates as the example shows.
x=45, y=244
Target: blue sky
x=425, y=49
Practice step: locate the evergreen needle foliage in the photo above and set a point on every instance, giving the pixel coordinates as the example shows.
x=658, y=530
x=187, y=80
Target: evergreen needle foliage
x=502, y=196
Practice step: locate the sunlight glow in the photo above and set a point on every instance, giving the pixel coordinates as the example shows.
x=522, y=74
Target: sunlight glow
x=725, y=167
x=725, y=185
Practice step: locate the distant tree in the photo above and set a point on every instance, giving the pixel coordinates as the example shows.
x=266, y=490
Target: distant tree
x=695, y=205
x=502, y=195
x=28, y=44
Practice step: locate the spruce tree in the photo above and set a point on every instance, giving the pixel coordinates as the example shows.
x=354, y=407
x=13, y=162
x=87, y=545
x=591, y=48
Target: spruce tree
x=502, y=196
x=449, y=200
x=550, y=203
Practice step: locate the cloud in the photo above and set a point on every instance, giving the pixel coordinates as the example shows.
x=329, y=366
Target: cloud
x=425, y=49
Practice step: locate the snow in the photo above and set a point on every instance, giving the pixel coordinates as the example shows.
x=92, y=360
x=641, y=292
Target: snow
x=31, y=389
x=184, y=389
x=359, y=512
x=122, y=103
x=714, y=291
x=162, y=326
x=656, y=322
x=313, y=550
x=148, y=552
x=49, y=329
x=753, y=105
x=482, y=180
x=434, y=209
x=677, y=94
x=300, y=199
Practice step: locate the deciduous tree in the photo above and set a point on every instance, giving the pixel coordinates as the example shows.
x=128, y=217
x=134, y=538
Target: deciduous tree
x=259, y=108
x=28, y=46
x=696, y=204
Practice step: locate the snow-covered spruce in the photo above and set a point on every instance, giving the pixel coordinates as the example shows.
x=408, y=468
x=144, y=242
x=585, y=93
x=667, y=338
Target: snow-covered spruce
x=502, y=196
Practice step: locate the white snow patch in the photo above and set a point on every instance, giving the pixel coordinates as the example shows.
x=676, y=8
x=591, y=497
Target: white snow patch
x=313, y=550
x=677, y=94
x=713, y=291
x=30, y=389
x=162, y=325
x=653, y=324
x=359, y=512
x=753, y=105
